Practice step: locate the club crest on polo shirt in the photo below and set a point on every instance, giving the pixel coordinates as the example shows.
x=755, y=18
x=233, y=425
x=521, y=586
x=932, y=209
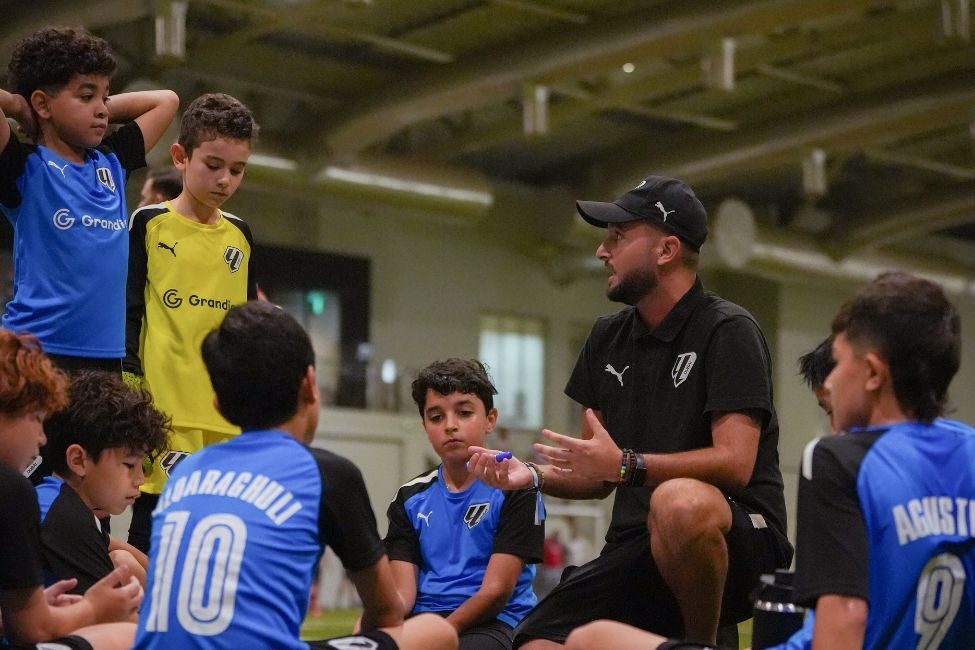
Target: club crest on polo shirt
x=682, y=367
x=475, y=513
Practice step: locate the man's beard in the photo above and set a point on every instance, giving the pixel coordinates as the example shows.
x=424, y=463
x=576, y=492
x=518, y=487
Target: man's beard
x=633, y=288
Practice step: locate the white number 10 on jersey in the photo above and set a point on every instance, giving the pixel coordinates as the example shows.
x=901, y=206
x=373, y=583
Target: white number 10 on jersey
x=210, y=570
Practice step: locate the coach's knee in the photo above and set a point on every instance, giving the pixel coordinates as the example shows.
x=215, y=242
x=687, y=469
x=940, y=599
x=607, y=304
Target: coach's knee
x=684, y=509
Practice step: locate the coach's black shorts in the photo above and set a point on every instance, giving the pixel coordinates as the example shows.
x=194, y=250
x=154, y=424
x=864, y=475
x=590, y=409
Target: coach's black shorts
x=375, y=640
x=69, y=642
x=623, y=584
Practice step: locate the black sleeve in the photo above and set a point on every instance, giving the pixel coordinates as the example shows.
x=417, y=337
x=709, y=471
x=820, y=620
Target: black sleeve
x=128, y=145
x=20, y=543
x=517, y=533
x=579, y=387
x=831, y=537
x=72, y=543
x=251, y=280
x=13, y=159
x=346, y=521
x=401, y=540
x=135, y=291
x=738, y=369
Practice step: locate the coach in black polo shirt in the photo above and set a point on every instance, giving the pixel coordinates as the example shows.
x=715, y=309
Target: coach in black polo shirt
x=679, y=422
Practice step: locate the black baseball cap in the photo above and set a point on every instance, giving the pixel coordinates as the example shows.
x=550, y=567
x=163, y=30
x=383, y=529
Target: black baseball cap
x=666, y=202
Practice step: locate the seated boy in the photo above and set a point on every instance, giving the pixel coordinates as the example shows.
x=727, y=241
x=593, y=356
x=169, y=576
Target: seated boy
x=30, y=388
x=95, y=447
x=459, y=547
x=240, y=525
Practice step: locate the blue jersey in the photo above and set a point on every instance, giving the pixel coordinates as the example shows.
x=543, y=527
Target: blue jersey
x=71, y=243
x=450, y=536
x=887, y=514
x=236, y=536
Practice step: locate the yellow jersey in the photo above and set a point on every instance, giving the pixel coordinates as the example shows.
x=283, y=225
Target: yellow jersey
x=183, y=278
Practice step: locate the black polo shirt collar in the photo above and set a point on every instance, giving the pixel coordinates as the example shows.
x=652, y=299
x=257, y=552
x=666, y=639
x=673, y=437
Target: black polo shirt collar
x=672, y=324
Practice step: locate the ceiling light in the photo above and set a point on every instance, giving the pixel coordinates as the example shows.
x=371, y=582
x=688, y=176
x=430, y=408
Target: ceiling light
x=382, y=181
x=628, y=67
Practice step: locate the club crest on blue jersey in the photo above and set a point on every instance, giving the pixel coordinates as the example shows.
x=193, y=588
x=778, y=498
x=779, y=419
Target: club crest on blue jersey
x=105, y=177
x=233, y=256
x=475, y=513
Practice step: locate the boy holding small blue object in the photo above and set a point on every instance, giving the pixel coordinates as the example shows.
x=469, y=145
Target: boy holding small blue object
x=459, y=547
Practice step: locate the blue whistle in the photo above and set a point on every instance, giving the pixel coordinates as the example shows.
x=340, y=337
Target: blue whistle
x=502, y=455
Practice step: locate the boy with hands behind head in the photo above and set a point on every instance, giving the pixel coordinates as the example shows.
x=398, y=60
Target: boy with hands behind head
x=65, y=193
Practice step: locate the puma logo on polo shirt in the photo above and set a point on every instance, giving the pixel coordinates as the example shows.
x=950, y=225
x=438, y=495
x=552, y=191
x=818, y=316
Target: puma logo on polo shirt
x=424, y=517
x=619, y=375
x=682, y=367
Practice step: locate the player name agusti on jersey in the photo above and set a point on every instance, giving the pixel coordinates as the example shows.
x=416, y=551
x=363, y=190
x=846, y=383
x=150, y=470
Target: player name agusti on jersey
x=256, y=489
x=934, y=516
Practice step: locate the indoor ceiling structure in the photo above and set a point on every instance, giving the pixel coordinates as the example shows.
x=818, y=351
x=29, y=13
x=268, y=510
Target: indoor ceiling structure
x=817, y=132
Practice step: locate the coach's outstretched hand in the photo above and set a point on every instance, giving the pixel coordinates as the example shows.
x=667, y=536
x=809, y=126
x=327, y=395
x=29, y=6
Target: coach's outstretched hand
x=595, y=457
x=507, y=474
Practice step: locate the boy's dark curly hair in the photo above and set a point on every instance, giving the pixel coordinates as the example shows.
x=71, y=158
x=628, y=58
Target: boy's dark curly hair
x=104, y=413
x=48, y=58
x=216, y=115
x=454, y=376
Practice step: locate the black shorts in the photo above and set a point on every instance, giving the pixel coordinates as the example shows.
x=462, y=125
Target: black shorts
x=623, y=584
x=375, y=640
x=69, y=642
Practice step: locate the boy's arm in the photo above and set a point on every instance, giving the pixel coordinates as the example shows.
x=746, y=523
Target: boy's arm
x=381, y=603
x=152, y=110
x=115, y=544
x=29, y=618
x=405, y=574
x=16, y=107
x=493, y=594
x=135, y=296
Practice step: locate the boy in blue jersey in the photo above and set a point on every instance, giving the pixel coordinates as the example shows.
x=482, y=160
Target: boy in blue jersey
x=241, y=525
x=460, y=547
x=886, y=537
x=95, y=448
x=65, y=193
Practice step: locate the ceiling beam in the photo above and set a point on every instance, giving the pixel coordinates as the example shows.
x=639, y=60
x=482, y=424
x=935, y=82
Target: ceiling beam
x=904, y=222
x=19, y=22
x=839, y=131
x=469, y=84
x=543, y=10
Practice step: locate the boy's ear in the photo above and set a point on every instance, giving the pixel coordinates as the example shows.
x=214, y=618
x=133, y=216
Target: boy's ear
x=309, y=387
x=180, y=157
x=878, y=372
x=492, y=419
x=41, y=103
x=75, y=457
